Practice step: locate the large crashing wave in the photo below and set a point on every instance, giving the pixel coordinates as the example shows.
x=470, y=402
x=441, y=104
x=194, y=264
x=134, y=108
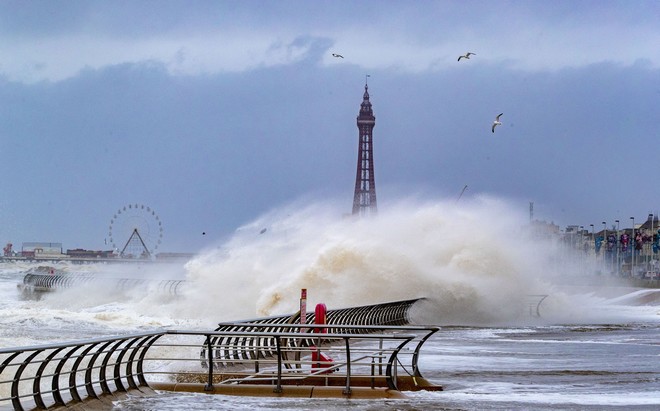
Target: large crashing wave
x=474, y=263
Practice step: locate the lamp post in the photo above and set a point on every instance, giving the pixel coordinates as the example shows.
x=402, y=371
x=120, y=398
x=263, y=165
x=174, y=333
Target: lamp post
x=632, y=243
x=583, y=250
x=605, y=242
x=650, y=248
x=616, y=246
x=651, y=218
x=593, y=237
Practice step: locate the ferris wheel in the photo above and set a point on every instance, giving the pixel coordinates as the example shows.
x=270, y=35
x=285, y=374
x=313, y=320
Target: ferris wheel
x=135, y=231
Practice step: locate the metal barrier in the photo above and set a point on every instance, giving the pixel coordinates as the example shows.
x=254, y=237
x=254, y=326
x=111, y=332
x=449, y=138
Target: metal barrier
x=266, y=351
x=73, y=371
x=236, y=348
x=33, y=284
x=54, y=375
x=391, y=313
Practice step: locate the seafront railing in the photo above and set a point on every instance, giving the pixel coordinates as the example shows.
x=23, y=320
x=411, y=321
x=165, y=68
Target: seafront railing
x=58, y=374
x=234, y=350
x=35, y=284
x=275, y=358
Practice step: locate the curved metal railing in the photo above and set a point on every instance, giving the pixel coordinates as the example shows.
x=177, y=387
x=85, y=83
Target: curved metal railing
x=361, y=320
x=534, y=302
x=55, y=375
x=71, y=372
x=391, y=313
x=235, y=349
x=37, y=283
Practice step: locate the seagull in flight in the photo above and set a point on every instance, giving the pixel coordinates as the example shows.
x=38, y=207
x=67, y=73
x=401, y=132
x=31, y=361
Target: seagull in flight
x=337, y=55
x=496, y=122
x=466, y=56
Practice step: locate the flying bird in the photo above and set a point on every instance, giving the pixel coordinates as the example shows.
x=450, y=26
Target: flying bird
x=337, y=55
x=497, y=122
x=466, y=56
x=462, y=191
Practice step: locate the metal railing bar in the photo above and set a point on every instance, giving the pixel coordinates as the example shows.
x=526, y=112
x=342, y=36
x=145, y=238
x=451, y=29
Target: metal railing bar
x=140, y=361
x=17, y=379
x=278, y=388
x=74, y=372
x=120, y=362
x=209, y=383
x=90, y=367
x=415, y=358
x=55, y=382
x=76, y=342
x=297, y=335
x=36, y=386
x=266, y=360
x=105, y=388
x=345, y=326
x=390, y=370
x=347, y=390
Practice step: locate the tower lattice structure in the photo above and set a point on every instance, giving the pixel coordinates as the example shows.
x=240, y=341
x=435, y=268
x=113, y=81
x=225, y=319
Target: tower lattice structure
x=364, y=199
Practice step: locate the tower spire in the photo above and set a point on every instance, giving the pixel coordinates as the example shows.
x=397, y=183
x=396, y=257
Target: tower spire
x=364, y=198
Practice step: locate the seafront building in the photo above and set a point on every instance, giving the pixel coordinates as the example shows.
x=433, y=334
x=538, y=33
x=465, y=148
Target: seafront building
x=626, y=252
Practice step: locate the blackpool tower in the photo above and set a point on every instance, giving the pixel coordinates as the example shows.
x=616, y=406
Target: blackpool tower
x=364, y=199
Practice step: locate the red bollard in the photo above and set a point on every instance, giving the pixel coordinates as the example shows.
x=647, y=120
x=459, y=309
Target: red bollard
x=320, y=360
x=320, y=317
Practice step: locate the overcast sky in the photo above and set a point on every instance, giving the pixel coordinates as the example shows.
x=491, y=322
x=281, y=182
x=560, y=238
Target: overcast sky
x=212, y=113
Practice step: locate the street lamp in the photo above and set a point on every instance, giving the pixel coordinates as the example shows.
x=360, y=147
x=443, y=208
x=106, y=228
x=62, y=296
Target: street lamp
x=651, y=219
x=593, y=237
x=650, y=248
x=616, y=245
x=632, y=249
x=605, y=242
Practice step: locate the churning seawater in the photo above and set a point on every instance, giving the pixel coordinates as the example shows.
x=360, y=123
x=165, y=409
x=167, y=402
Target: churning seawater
x=595, y=346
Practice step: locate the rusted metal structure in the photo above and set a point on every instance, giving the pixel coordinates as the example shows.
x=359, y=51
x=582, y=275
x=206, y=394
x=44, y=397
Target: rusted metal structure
x=364, y=199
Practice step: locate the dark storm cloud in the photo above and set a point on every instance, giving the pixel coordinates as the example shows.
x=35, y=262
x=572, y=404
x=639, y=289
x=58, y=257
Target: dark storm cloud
x=225, y=147
x=215, y=112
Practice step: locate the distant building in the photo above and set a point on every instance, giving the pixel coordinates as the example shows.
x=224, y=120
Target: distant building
x=81, y=253
x=650, y=226
x=42, y=250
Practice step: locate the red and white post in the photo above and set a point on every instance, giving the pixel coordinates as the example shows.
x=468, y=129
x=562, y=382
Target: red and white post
x=303, y=308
